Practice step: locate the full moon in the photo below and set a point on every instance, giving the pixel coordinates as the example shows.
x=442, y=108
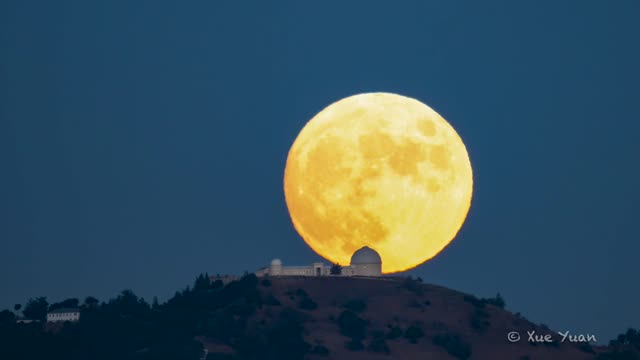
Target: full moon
x=379, y=170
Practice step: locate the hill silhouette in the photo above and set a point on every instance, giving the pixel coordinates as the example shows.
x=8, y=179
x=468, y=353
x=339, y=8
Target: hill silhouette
x=298, y=318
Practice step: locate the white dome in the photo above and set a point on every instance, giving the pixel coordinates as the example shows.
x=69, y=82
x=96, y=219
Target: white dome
x=276, y=262
x=366, y=255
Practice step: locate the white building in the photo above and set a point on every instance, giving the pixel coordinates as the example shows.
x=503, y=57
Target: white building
x=364, y=262
x=63, y=315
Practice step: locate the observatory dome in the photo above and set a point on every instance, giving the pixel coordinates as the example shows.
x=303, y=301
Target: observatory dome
x=365, y=255
x=276, y=262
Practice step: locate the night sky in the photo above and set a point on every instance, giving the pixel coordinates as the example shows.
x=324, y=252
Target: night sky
x=142, y=143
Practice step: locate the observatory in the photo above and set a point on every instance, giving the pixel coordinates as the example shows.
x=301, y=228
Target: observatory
x=364, y=262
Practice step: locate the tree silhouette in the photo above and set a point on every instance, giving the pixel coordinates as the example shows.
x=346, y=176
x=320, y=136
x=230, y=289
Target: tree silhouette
x=7, y=317
x=36, y=309
x=90, y=301
x=336, y=269
x=69, y=303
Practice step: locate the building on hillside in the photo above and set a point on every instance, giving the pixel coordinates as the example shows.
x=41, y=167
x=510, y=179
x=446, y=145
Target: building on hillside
x=364, y=262
x=23, y=320
x=67, y=314
x=225, y=279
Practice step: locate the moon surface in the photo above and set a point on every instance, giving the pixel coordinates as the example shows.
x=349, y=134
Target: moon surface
x=379, y=170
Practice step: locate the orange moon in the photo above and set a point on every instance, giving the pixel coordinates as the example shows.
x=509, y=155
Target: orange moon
x=379, y=170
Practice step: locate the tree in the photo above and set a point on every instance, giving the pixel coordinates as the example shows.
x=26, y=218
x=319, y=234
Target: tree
x=202, y=283
x=36, y=309
x=307, y=304
x=336, y=269
x=352, y=325
x=413, y=333
x=356, y=305
x=7, y=317
x=378, y=345
x=69, y=303
x=90, y=301
x=454, y=345
x=496, y=301
x=17, y=307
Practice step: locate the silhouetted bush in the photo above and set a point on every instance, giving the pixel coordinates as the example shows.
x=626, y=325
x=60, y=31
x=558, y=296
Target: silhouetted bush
x=218, y=284
x=618, y=355
x=413, y=333
x=320, y=350
x=7, y=317
x=301, y=292
x=307, y=304
x=336, y=269
x=413, y=285
x=480, y=320
x=242, y=307
x=69, y=303
x=266, y=282
x=474, y=301
x=36, y=309
x=630, y=337
x=495, y=301
x=395, y=333
x=352, y=325
x=378, y=345
x=356, y=305
x=454, y=345
x=271, y=300
x=354, y=345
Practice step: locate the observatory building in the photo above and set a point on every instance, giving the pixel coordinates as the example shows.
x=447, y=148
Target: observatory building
x=364, y=262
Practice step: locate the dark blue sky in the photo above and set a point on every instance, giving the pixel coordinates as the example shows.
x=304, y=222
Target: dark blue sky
x=142, y=143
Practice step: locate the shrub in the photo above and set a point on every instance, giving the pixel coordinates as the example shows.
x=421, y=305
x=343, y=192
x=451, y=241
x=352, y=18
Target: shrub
x=356, y=305
x=307, y=304
x=413, y=285
x=618, y=355
x=479, y=320
x=266, y=282
x=242, y=307
x=336, y=269
x=352, y=325
x=394, y=333
x=301, y=292
x=454, y=345
x=320, y=350
x=354, y=345
x=7, y=317
x=496, y=301
x=378, y=345
x=413, y=333
x=271, y=300
x=474, y=301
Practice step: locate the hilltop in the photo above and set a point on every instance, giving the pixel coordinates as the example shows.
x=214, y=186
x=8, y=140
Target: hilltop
x=300, y=318
x=446, y=324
